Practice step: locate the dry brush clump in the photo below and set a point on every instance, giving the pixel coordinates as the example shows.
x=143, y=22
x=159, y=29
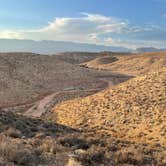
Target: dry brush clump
x=15, y=152
x=65, y=146
x=26, y=141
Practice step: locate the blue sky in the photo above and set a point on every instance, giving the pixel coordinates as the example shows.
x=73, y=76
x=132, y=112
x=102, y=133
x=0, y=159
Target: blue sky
x=128, y=23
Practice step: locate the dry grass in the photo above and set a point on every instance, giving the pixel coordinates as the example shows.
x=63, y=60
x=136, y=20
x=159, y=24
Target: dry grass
x=34, y=76
x=28, y=142
x=133, y=64
x=52, y=145
x=124, y=125
x=14, y=152
x=134, y=111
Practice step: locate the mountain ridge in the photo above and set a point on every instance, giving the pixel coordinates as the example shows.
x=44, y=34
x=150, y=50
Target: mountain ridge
x=51, y=47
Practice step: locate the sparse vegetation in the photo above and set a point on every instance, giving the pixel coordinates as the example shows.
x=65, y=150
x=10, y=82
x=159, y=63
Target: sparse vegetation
x=121, y=125
x=138, y=64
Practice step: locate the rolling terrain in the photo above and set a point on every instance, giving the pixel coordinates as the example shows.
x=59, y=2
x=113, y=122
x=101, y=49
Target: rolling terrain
x=134, y=111
x=137, y=64
x=76, y=109
x=26, y=77
x=81, y=57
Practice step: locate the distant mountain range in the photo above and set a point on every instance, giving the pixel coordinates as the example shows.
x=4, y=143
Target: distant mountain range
x=50, y=47
x=149, y=49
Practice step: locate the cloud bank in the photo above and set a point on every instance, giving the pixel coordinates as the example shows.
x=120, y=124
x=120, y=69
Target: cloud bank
x=93, y=28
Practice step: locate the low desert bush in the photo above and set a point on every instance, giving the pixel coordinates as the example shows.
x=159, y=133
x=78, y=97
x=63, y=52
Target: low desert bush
x=74, y=142
x=48, y=145
x=14, y=133
x=11, y=151
x=131, y=156
x=93, y=156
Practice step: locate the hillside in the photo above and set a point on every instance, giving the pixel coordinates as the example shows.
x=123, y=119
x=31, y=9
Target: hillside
x=137, y=102
x=124, y=125
x=83, y=57
x=119, y=124
x=30, y=142
x=133, y=111
x=132, y=64
x=77, y=57
x=26, y=76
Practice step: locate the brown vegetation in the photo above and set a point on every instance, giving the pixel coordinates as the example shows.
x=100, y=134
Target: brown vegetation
x=134, y=111
x=25, y=77
x=120, y=125
x=131, y=64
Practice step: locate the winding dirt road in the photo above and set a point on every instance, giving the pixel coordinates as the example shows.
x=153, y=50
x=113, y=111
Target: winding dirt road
x=42, y=106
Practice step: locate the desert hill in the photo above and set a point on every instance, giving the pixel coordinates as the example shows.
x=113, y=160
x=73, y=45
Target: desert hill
x=132, y=64
x=118, y=125
x=134, y=110
x=83, y=57
x=76, y=57
x=31, y=142
x=98, y=62
x=26, y=76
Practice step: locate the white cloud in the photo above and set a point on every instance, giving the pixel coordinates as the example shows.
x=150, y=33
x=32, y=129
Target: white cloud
x=8, y=34
x=82, y=29
x=89, y=28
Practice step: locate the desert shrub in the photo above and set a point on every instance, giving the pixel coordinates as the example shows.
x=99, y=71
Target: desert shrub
x=131, y=156
x=14, y=133
x=48, y=145
x=11, y=151
x=74, y=142
x=93, y=156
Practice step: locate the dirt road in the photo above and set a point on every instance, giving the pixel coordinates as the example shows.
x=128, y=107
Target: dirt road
x=42, y=106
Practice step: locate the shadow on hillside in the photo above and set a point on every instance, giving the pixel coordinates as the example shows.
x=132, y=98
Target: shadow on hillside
x=87, y=147
x=21, y=126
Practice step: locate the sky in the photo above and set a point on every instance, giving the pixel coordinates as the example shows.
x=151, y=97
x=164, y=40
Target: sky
x=126, y=23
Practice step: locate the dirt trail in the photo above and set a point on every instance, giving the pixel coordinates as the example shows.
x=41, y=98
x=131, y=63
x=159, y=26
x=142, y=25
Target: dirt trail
x=39, y=107
x=45, y=105
x=42, y=106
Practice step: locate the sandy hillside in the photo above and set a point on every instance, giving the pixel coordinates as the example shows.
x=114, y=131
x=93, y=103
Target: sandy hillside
x=26, y=76
x=83, y=57
x=134, y=110
x=131, y=64
x=121, y=125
